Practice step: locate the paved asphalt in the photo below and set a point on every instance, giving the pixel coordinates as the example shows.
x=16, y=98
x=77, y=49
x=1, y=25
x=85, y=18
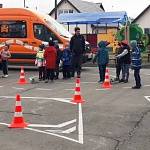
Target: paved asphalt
x=114, y=119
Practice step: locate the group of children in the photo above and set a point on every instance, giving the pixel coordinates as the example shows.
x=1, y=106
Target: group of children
x=126, y=57
x=48, y=60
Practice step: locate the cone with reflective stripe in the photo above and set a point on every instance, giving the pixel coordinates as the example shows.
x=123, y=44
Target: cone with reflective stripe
x=106, y=84
x=22, y=79
x=77, y=98
x=18, y=120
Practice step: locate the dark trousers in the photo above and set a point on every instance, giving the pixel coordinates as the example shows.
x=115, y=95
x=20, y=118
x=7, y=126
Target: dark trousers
x=50, y=74
x=57, y=71
x=102, y=69
x=137, y=77
x=118, y=70
x=76, y=65
x=66, y=71
x=125, y=71
x=5, y=67
x=42, y=73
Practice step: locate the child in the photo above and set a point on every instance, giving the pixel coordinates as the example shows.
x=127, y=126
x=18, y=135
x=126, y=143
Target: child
x=50, y=58
x=102, y=58
x=136, y=63
x=5, y=55
x=66, y=61
x=40, y=62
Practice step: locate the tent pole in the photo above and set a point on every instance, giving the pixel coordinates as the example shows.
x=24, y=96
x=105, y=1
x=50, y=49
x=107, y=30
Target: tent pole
x=106, y=28
x=86, y=28
x=68, y=25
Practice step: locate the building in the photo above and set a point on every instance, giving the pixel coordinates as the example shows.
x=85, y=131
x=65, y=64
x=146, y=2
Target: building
x=143, y=20
x=77, y=6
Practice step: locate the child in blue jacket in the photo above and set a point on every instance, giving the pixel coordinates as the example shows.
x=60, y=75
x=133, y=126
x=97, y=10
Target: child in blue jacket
x=102, y=58
x=66, y=62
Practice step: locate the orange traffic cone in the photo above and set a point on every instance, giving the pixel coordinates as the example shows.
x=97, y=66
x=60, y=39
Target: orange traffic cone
x=77, y=98
x=106, y=84
x=22, y=79
x=18, y=120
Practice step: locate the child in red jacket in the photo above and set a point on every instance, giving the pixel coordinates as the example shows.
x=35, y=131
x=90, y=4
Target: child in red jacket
x=50, y=59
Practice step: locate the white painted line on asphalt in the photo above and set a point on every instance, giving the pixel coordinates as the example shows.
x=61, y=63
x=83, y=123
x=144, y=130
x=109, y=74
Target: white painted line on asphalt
x=94, y=74
x=17, y=88
x=53, y=126
x=146, y=85
x=127, y=87
x=69, y=89
x=65, y=100
x=1, y=123
x=88, y=82
x=54, y=134
x=80, y=124
x=66, y=82
x=148, y=98
x=54, y=131
x=70, y=130
x=42, y=89
x=102, y=89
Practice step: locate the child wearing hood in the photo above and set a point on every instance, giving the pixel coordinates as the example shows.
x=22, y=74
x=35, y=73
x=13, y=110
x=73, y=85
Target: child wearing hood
x=136, y=63
x=102, y=58
x=50, y=55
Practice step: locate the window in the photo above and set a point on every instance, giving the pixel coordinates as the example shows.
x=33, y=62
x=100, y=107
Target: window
x=70, y=11
x=65, y=11
x=13, y=29
x=42, y=33
x=60, y=12
x=147, y=30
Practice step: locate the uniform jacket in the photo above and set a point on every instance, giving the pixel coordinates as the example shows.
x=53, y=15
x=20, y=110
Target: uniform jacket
x=40, y=61
x=135, y=56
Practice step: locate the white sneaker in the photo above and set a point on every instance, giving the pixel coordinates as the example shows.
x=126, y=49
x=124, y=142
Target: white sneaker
x=5, y=76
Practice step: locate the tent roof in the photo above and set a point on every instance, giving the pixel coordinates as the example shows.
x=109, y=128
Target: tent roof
x=93, y=18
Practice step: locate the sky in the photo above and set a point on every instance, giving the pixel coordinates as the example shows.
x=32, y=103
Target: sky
x=132, y=7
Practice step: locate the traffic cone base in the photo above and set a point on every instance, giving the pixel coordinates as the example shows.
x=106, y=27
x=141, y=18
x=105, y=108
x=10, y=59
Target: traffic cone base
x=22, y=79
x=106, y=84
x=78, y=99
x=18, y=125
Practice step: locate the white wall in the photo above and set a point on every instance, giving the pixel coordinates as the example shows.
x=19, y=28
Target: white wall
x=63, y=6
x=144, y=21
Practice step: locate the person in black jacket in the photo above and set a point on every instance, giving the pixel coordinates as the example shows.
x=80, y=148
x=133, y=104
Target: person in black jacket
x=77, y=47
x=126, y=60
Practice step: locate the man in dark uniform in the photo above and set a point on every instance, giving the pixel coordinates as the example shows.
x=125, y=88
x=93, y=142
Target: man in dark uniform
x=77, y=47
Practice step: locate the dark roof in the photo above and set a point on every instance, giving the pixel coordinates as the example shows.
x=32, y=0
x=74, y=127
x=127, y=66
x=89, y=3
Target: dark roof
x=82, y=6
x=141, y=14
